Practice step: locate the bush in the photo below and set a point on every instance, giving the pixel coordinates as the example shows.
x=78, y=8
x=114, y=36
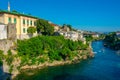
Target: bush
x=9, y=57
x=1, y=57
x=40, y=60
x=31, y=30
x=55, y=47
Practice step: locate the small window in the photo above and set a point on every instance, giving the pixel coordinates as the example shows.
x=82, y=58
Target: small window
x=24, y=30
x=15, y=21
x=34, y=23
x=23, y=21
x=31, y=23
x=27, y=22
x=9, y=20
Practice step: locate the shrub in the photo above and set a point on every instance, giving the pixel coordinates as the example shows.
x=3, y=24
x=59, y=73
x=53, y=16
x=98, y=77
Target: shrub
x=55, y=47
x=1, y=57
x=31, y=30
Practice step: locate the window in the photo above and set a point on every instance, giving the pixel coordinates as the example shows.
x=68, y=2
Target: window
x=34, y=23
x=24, y=30
x=27, y=22
x=15, y=21
x=23, y=21
x=31, y=23
x=9, y=20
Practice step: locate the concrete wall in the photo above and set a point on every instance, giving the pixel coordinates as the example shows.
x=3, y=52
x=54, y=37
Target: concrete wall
x=27, y=36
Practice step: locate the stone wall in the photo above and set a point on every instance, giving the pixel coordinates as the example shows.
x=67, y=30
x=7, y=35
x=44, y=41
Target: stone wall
x=5, y=45
x=11, y=32
x=27, y=36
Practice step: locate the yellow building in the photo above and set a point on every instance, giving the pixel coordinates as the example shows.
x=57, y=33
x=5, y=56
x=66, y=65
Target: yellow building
x=22, y=21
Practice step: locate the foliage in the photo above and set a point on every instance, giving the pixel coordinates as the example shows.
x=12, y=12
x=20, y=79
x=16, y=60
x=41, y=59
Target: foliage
x=31, y=30
x=54, y=47
x=1, y=57
x=9, y=58
x=11, y=68
x=89, y=38
x=41, y=60
x=111, y=40
x=44, y=27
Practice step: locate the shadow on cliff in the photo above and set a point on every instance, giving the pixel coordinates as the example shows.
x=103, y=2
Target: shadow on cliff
x=4, y=75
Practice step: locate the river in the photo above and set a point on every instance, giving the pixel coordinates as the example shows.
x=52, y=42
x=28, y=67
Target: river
x=105, y=66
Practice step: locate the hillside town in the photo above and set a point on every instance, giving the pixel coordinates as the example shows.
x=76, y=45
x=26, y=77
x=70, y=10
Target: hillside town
x=24, y=21
x=41, y=48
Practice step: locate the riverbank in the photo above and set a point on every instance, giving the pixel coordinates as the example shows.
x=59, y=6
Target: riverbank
x=42, y=51
x=112, y=41
x=105, y=66
x=76, y=59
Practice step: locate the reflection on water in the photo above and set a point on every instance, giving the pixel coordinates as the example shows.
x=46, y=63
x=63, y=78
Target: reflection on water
x=118, y=52
x=105, y=66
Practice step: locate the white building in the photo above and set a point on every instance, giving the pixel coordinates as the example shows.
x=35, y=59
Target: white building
x=3, y=31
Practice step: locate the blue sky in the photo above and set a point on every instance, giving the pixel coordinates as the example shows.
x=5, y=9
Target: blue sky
x=93, y=15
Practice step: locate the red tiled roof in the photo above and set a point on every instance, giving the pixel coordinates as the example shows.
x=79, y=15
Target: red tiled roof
x=53, y=24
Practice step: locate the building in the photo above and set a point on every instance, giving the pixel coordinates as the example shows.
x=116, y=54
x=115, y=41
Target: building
x=95, y=35
x=65, y=28
x=72, y=35
x=22, y=21
x=56, y=27
x=3, y=31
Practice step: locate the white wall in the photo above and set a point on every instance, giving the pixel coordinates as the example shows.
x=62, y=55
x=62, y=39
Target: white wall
x=3, y=32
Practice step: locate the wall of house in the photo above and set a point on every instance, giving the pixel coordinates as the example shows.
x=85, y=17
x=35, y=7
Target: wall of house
x=19, y=25
x=6, y=16
x=26, y=25
x=3, y=31
x=1, y=18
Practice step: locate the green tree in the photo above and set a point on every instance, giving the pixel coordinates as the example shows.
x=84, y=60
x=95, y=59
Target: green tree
x=31, y=30
x=70, y=26
x=44, y=27
x=1, y=57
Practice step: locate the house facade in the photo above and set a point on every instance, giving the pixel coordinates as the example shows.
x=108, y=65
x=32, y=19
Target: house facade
x=56, y=27
x=22, y=22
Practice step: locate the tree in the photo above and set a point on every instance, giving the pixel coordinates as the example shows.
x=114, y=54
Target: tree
x=40, y=25
x=31, y=30
x=1, y=57
x=70, y=27
x=44, y=27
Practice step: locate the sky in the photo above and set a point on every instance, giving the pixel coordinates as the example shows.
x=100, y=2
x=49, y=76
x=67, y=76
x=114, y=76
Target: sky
x=92, y=15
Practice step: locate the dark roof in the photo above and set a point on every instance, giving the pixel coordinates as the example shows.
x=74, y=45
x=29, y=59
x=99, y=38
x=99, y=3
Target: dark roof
x=17, y=13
